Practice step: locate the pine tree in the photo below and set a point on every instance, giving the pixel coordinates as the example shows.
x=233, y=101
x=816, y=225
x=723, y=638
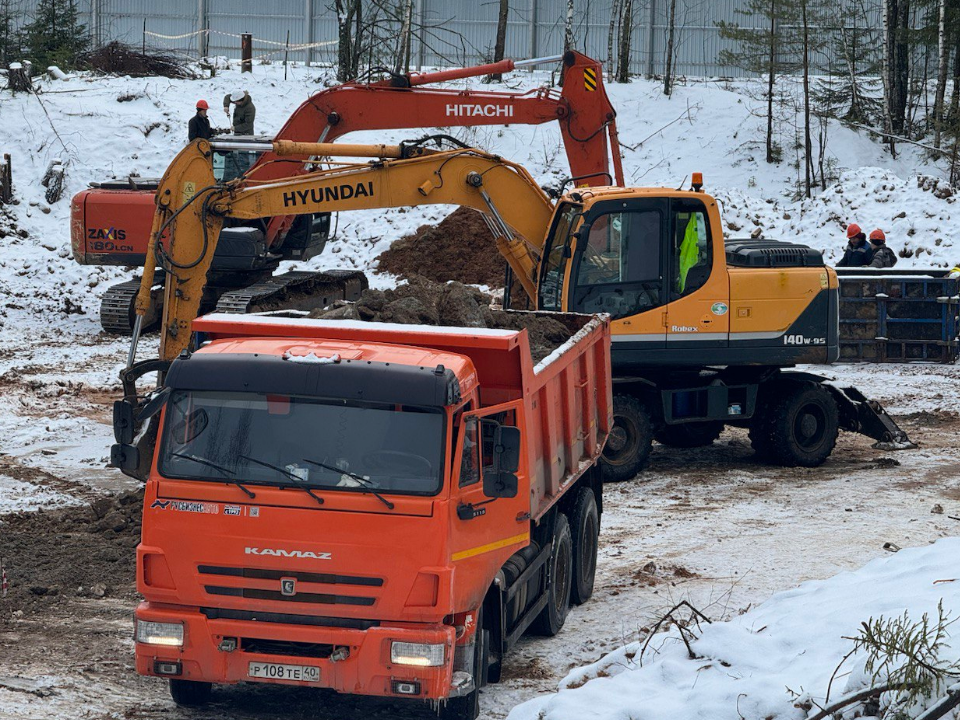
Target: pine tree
x=9, y=38
x=55, y=36
x=764, y=47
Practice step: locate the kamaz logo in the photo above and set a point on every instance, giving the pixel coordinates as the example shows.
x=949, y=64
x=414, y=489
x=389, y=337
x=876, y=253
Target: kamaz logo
x=106, y=234
x=280, y=552
x=320, y=195
x=472, y=110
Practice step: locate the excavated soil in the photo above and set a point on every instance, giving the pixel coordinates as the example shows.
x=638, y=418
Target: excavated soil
x=460, y=248
x=453, y=304
x=81, y=551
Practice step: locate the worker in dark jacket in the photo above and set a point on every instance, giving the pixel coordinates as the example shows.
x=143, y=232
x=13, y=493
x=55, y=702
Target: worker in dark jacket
x=244, y=112
x=200, y=124
x=883, y=257
x=858, y=252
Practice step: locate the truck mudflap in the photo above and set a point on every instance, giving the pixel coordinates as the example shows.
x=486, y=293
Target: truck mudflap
x=860, y=415
x=348, y=660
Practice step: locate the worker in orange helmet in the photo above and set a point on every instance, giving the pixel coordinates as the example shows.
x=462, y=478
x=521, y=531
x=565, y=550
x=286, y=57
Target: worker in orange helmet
x=200, y=123
x=858, y=252
x=883, y=257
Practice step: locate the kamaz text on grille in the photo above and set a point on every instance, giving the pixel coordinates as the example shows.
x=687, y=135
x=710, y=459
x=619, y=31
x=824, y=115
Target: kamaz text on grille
x=318, y=196
x=475, y=110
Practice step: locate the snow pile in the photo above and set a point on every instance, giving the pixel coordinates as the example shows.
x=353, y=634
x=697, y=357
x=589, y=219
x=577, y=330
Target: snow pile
x=18, y=496
x=771, y=662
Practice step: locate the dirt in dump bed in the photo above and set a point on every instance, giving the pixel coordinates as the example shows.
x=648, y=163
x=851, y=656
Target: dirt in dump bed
x=460, y=248
x=82, y=551
x=424, y=302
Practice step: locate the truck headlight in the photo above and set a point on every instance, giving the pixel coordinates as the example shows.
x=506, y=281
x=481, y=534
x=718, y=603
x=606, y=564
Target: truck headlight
x=420, y=654
x=158, y=633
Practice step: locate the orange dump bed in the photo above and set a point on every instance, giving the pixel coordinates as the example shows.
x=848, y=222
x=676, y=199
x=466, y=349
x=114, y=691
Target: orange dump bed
x=567, y=396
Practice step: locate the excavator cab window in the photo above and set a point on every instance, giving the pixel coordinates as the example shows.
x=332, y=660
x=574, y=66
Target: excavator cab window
x=618, y=262
x=690, y=248
x=231, y=164
x=557, y=253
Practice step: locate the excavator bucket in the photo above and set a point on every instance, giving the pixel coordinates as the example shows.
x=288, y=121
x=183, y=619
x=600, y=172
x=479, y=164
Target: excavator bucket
x=867, y=417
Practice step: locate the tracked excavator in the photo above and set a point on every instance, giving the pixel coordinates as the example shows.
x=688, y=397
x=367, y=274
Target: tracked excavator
x=111, y=221
x=704, y=330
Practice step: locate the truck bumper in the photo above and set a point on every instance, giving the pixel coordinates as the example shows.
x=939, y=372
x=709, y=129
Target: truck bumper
x=349, y=660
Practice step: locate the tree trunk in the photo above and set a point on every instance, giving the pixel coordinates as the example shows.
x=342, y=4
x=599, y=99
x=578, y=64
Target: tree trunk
x=626, y=31
x=671, y=26
x=771, y=78
x=955, y=95
x=345, y=38
x=901, y=66
x=615, y=11
x=568, y=28
x=807, y=142
x=500, y=46
x=850, y=58
x=403, y=42
x=944, y=56
x=888, y=11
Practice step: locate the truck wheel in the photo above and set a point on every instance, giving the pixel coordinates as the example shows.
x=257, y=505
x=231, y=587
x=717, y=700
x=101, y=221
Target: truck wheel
x=796, y=425
x=189, y=693
x=689, y=435
x=467, y=707
x=560, y=576
x=630, y=441
x=585, y=525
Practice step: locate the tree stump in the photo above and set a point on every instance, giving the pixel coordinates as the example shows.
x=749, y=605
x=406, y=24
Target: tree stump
x=18, y=78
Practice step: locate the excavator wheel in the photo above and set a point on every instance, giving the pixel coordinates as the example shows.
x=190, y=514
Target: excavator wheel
x=796, y=424
x=689, y=435
x=631, y=439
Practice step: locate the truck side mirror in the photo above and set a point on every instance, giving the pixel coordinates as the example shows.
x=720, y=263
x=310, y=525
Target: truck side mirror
x=500, y=485
x=125, y=457
x=124, y=421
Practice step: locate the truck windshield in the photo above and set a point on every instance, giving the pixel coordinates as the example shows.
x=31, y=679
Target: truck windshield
x=324, y=444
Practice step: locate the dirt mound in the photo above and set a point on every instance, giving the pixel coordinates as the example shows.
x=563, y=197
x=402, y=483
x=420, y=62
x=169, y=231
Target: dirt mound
x=423, y=302
x=82, y=551
x=460, y=248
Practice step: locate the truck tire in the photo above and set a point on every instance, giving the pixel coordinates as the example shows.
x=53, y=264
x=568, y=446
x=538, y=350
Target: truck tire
x=559, y=576
x=631, y=439
x=689, y=435
x=585, y=526
x=795, y=425
x=467, y=707
x=190, y=693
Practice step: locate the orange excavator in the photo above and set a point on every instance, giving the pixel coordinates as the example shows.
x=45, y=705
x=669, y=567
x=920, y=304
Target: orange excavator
x=111, y=222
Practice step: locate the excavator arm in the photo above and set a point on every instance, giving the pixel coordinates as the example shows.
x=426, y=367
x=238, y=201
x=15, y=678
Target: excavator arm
x=191, y=208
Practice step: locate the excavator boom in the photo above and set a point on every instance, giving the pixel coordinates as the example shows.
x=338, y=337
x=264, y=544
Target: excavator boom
x=191, y=208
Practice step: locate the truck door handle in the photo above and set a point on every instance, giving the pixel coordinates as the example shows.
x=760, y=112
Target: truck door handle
x=469, y=511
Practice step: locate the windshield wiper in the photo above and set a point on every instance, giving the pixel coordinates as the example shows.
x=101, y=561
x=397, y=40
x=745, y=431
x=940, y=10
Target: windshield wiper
x=369, y=486
x=219, y=468
x=298, y=481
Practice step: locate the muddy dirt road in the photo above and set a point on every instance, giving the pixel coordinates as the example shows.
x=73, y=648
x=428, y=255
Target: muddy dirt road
x=707, y=525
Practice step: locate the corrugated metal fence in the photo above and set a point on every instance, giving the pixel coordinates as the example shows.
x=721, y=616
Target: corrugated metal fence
x=457, y=32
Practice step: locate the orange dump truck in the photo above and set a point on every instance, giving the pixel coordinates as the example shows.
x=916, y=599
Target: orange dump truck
x=374, y=508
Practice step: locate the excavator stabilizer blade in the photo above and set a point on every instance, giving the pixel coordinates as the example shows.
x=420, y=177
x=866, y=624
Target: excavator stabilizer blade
x=867, y=417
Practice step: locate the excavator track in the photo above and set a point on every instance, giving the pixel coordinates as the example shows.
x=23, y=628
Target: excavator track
x=117, y=307
x=296, y=290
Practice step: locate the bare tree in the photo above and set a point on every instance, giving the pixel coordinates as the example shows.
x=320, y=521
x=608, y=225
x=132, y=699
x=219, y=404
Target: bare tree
x=402, y=64
x=626, y=33
x=349, y=23
x=500, y=46
x=896, y=66
x=807, y=142
x=568, y=28
x=671, y=26
x=616, y=10
x=943, y=52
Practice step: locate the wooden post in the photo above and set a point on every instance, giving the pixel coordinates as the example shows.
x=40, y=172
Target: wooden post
x=286, y=55
x=143, y=48
x=6, y=180
x=246, y=52
x=308, y=23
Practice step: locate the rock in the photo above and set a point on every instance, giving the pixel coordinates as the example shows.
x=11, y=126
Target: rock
x=937, y=509
x=114, y=521
x=100, y=507
x=98, y=590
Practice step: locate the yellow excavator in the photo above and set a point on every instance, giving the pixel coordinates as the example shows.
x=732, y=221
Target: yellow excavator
x=704, y=329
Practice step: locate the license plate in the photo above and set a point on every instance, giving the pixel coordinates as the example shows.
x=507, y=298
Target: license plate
x=276, y=671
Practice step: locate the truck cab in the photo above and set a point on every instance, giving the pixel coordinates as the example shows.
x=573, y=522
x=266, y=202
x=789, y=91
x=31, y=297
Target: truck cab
x=364, y=509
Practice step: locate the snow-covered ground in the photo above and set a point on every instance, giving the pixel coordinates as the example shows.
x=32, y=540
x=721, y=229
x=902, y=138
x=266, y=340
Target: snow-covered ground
x=718, y=530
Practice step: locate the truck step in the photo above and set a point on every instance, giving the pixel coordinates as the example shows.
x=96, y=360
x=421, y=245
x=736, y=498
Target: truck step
x=297, y=290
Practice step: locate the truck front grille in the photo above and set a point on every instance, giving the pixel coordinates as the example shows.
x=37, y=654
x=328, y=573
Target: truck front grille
x=300, y=597
x=288, y=619
x=285, y=647
x=264, y=574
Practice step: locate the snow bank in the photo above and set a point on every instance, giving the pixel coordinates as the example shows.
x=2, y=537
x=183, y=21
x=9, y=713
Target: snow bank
x=766, y=662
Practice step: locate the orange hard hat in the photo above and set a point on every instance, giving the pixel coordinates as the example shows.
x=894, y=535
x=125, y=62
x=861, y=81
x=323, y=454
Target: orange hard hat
x=202, y=105
x=853, y=230
x=878, y=235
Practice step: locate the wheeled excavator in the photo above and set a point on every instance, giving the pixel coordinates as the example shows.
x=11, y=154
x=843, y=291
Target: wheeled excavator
x=111, y=221
x=704, y=330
